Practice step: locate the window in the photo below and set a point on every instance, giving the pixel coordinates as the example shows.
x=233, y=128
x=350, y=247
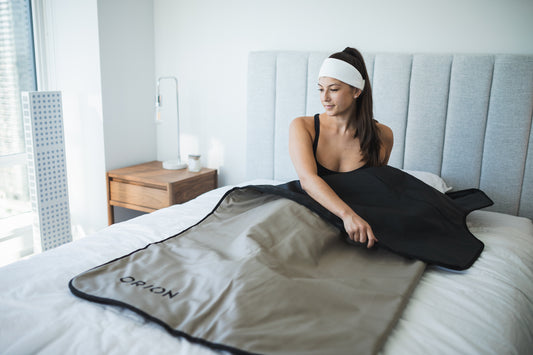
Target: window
x=17, y=73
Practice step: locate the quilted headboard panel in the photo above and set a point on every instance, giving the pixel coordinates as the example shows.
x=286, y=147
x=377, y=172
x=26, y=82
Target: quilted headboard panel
x=466, y=118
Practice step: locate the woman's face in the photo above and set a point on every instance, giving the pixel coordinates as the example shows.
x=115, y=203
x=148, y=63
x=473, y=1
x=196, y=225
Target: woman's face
x=336, y=97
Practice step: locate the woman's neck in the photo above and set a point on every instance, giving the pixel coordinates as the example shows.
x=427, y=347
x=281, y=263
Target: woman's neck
x=342, y=123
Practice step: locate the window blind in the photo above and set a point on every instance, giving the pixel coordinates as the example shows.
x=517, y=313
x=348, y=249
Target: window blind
x=17, y=74
x=17, y=71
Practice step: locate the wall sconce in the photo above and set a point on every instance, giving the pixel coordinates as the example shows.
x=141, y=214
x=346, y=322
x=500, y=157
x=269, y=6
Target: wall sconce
x=169, y=164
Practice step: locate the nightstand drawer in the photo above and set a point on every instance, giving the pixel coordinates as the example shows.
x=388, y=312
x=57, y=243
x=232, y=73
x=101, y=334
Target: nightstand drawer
x=142, y=196
x=188, y=189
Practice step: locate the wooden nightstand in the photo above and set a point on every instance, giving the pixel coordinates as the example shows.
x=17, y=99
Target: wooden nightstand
x=148, y=187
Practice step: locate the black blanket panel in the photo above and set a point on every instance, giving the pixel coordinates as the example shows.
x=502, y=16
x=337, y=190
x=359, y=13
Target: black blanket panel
x=407, y=216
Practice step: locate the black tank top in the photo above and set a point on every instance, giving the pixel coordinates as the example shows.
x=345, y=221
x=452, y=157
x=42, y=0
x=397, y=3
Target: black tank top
x=321, y=170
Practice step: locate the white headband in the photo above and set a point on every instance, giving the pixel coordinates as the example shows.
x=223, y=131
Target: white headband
x=340, y=70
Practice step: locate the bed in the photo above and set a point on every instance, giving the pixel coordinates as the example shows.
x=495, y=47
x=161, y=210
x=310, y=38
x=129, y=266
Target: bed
x=460, y=121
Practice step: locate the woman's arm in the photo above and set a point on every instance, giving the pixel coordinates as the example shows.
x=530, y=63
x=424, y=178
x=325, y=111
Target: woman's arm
x=301, y=152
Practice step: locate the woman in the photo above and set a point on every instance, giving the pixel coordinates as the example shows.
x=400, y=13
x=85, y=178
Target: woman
x=342, y=139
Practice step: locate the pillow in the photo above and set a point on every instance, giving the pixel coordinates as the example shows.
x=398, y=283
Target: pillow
x=431, y=179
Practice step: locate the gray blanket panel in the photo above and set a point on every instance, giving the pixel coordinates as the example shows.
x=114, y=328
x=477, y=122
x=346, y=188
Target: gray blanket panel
x=262, y=274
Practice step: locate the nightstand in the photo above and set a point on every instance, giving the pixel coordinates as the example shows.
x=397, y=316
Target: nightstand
x=148, y=187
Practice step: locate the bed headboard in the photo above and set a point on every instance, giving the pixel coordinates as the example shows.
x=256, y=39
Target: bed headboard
x=466, y=118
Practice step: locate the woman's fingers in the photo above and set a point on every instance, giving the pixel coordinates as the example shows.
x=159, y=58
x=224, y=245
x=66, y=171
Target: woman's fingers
x=364, y=235
x=371, y=239
x=359, y=231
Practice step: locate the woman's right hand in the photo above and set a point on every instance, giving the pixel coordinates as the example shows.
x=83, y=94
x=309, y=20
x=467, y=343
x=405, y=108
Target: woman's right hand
x=358, y=229
x=301, y=139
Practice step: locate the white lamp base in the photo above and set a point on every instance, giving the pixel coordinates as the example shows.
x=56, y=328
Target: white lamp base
x=173, y=165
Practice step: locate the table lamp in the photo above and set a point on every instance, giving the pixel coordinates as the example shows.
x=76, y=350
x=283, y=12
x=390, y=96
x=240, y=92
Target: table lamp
x=169, y=164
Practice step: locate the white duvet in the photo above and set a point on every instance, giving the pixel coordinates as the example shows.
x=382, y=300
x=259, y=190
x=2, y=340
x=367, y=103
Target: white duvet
x=487, y=309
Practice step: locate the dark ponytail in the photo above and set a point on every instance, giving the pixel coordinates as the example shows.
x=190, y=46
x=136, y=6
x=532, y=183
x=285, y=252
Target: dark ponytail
x=363, y=117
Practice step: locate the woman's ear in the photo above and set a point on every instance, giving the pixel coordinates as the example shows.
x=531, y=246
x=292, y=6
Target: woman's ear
x=357, y=93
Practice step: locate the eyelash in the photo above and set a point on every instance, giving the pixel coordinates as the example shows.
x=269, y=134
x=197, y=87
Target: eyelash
x=332, y=90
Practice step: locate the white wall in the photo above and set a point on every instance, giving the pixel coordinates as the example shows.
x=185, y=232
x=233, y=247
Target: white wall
x=101, y=56
x=205, y=43
x=74, y=69
x=126, y=34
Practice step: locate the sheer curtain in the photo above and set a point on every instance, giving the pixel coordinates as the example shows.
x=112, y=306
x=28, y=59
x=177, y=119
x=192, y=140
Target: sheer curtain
x=17, y=73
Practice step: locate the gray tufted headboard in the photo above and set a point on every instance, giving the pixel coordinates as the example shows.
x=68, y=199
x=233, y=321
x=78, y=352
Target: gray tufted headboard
x=466, y=118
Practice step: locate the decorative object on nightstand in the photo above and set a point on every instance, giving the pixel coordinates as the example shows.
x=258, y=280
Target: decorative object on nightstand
x=169, y=164
x=149, y=187
x=194, y=163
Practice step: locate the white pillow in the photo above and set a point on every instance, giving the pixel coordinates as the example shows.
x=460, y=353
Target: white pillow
x=431, y=179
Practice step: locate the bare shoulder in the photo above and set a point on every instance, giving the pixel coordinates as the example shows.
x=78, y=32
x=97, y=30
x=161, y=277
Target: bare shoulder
x=386, y=135
x=387, y=141
x=302, y=121
x=302, y=124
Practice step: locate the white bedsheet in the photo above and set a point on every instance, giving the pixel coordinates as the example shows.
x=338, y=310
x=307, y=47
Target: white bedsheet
x=487, y=309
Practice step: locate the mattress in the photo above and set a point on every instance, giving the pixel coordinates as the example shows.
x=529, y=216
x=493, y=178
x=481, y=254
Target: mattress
x=486, y=309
